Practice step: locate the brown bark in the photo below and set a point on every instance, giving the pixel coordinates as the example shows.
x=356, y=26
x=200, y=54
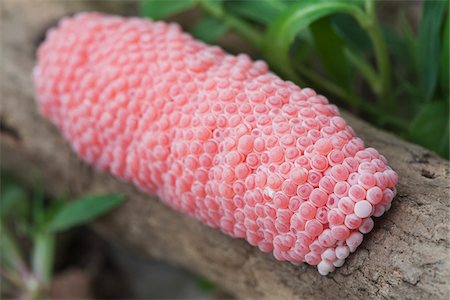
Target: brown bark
x=406, y=255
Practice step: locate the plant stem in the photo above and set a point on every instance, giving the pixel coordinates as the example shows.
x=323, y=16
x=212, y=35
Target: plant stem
x=366, y=70
x=381, y=54
x=246, y=31
x=330, y=86
x=44, y=244
x=240, y=26
x=34, y=289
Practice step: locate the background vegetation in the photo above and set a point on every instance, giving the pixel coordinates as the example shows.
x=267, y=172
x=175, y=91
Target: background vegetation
x=394, y=75
x=28, y=221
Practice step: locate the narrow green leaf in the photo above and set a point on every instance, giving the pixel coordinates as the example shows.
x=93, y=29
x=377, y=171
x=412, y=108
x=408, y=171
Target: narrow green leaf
x=430, y=128
x=209, y=29
x=430, y=45
x=263, y=11
x=331, y=51
x=364, y=68
x=283, y=30
x=83, y=210
x=214, y=7
x=160, y=9
x=409, y=40
x=396, y=45
x=10, y=255
x=445, y=53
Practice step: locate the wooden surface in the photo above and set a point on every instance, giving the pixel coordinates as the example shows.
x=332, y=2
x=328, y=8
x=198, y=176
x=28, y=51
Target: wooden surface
x=406, y=256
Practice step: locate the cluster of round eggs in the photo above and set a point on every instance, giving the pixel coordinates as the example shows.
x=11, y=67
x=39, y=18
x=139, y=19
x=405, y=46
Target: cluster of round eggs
x=214, y=135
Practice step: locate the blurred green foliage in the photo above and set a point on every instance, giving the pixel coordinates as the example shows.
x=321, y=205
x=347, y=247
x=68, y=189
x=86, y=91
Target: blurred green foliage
x=205, y=285
x=25, y=216
x=391, y=75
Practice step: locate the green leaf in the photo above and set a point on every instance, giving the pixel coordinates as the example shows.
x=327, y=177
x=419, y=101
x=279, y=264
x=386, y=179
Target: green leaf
x=331, y=51
x=430, y=128
x=263, y=11
x=160, y=9
x=409, y=40
x=83, y=210
x=52, y=210
x=283, y=30
x=429, y=45
x=209, y=29
x=12, y=199
x=356, y=37
x=445, y=53
x=214, y=7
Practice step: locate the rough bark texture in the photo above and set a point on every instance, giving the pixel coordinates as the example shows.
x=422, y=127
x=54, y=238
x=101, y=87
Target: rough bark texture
x=406, y=255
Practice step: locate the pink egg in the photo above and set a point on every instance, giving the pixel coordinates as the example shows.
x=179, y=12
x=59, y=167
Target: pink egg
x=289, y=188
x=341, y=189
x=363, y=209
x=307, y=211
x=357, y=193
x=313, y=228
x=323, y=146
x=366, y=226
x=325, y=267
x=340, y=232
x=346, y=205
x=339, y=173
x=322, y=214
x=352, y=221
x=329, y=255
x=354, y=240
x=374, y=195
x=342, y=252
x=276, y=154
x=319, y=163
x=245, y=144
x=335, y=217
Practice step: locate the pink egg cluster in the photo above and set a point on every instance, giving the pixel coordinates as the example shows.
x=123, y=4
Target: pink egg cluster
x=214, y=135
